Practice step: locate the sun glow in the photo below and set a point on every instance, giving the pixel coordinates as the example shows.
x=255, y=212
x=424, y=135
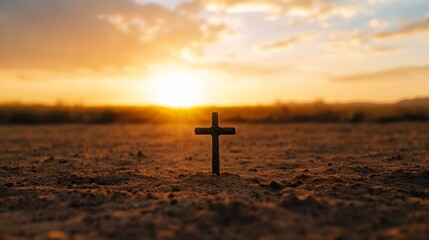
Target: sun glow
x=176, y=89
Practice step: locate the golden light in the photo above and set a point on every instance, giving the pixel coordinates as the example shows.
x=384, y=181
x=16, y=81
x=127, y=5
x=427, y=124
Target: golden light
x=178, y=88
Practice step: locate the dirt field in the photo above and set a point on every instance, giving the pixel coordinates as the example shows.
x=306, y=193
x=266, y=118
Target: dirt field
x=309, y=181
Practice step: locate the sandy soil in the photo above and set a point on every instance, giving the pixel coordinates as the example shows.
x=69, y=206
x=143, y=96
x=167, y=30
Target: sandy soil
x=310, y=181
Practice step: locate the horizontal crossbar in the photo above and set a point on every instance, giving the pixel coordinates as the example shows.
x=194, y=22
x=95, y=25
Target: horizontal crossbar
x=203, y=131
x=214, y=131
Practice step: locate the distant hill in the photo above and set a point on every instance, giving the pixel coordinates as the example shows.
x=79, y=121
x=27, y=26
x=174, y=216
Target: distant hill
x=416, y=101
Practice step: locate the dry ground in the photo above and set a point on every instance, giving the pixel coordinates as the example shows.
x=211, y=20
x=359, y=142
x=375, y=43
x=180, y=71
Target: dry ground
x=292, y=181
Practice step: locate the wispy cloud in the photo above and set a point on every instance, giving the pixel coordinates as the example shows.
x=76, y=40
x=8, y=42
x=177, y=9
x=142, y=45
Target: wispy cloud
x=400, y=73
x=284, y=43
x=377, y=23
x=359, y=41
x=384, y=49
x=304, y=10
x=349, y=40
x=409, y=29
x=324, y=13
x=244, y=68
x=374, y=2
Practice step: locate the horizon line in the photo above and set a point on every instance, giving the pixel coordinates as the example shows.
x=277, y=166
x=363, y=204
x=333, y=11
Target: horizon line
x=275, y=103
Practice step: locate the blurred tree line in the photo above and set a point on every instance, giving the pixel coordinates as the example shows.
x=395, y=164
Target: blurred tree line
x=278, y=113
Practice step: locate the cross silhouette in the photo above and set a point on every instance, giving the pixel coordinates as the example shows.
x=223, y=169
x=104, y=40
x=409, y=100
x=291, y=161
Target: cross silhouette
x=215, y=131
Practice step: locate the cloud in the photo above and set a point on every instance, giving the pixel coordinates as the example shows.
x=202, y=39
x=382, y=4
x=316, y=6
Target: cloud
x=64, y=35
x=325, y=12
x=279, y=45
x=349, y=40
x=374, y=2
x=244, y=68
x=284, y=43
x=383, y=49
x=365, y=41
x=400, y=73
x=304, y=10
x=377, y=23
x=410, y=29
x=360, y=43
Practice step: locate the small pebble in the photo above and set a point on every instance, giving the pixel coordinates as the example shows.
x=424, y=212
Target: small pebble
x=296, y=184
x=151, y=196
x=275, y=185
x=140, y=154
x=255, y=180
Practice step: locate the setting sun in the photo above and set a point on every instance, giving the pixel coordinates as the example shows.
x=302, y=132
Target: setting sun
x=176, y=89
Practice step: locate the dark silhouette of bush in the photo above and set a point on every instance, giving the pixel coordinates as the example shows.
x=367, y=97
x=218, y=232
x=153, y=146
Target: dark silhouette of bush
x=57, y=116
x=24, y=117
x=104, y=117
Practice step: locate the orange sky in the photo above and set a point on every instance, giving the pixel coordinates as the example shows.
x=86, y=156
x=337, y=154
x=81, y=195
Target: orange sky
x=212, y=52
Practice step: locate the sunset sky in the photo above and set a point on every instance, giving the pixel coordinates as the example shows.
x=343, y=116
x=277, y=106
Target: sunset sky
x=212, y=52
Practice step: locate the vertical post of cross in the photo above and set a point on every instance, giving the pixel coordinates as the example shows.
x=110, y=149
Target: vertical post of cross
x=215, y=144
x=215, y=131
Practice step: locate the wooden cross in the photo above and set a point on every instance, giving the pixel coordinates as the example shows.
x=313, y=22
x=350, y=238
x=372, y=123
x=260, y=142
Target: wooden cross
x=215, y=131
